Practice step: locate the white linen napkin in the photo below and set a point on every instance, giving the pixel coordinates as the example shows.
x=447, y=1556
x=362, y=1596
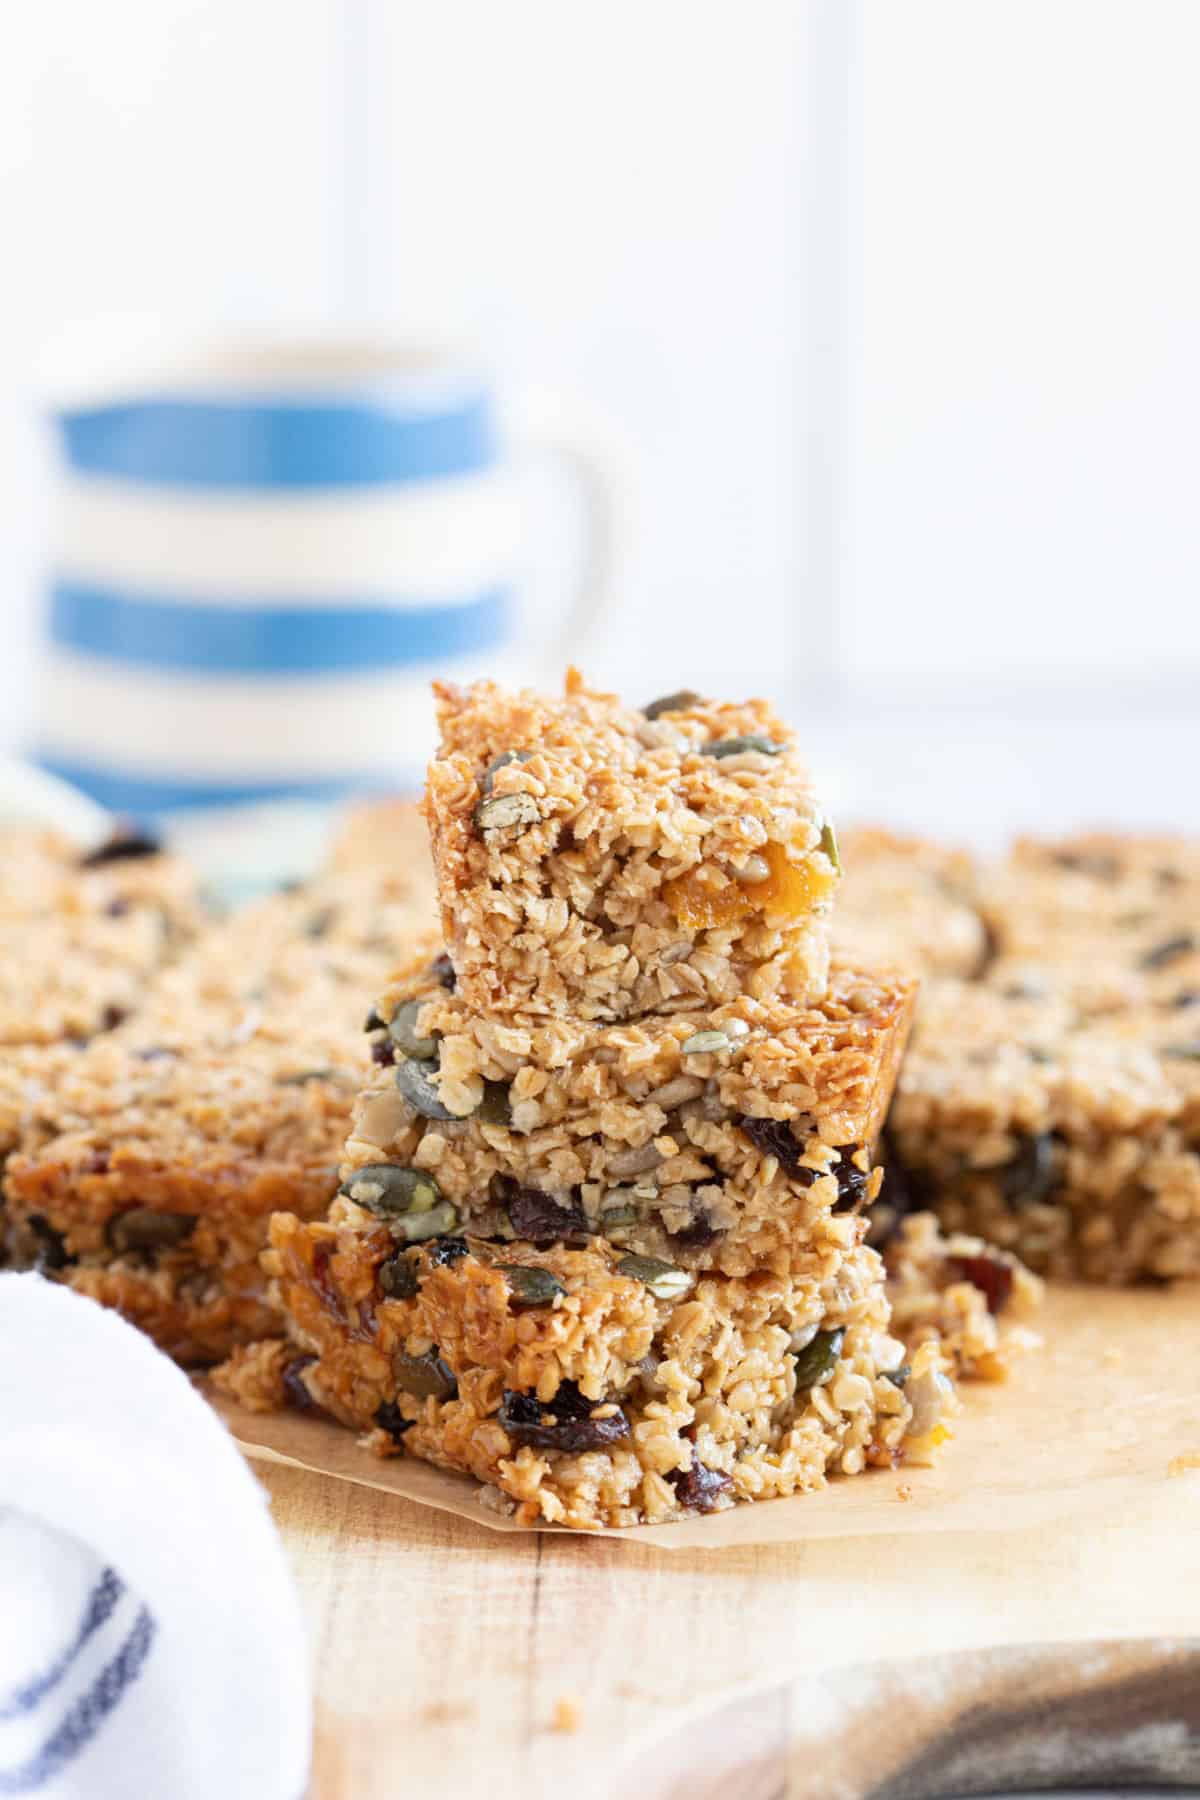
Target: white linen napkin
x=151, y=1641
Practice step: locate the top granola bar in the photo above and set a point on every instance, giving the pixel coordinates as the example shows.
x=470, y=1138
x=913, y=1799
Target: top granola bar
x=607, y=861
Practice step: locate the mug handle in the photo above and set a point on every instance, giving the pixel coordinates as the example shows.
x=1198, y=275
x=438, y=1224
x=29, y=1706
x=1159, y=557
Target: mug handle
x=543, y=423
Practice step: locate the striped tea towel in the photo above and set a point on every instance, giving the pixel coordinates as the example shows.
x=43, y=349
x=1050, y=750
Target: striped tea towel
x=151, y=1643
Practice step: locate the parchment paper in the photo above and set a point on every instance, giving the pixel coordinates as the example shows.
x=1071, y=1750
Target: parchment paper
x=1096, y=1423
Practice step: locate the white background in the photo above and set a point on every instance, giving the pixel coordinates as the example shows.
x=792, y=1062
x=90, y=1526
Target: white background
x=892, y=307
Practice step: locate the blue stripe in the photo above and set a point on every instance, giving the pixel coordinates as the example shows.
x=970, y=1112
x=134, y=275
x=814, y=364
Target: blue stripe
x=142, y=797
x=85, y=1717
x=260, y=639
x=101, y=1601
x=265, y=444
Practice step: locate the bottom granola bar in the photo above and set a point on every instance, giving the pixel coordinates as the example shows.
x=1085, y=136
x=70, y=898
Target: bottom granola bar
x=589, y=1387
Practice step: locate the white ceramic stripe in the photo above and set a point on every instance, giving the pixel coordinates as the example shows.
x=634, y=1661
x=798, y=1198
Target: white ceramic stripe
x=186, y=727
x=427, y=541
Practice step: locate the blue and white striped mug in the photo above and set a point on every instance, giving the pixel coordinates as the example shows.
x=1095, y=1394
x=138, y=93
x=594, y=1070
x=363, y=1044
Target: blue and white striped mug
x=263, y=556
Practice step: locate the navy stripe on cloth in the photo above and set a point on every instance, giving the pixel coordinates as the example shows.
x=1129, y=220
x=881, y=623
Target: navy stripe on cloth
x=84, y=1718
x=261, y=639
x=141, y=797
x=101, y=1601
x=255, y=444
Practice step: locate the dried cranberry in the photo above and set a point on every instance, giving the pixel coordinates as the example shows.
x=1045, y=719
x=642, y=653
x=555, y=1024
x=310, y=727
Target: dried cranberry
x=566, y=1424
x=443, y=971
x=383, y=1052
x=699, y=1488
x=993, y=1278
x=775, y=1137
x=447, y=1250
x=537, y=1217
x=122, y=846
x=852, y=1181
x=295, y=1392
x=390, y=1419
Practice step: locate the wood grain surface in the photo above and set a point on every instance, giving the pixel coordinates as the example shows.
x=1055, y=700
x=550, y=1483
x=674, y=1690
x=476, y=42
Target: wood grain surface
x=451, y=1661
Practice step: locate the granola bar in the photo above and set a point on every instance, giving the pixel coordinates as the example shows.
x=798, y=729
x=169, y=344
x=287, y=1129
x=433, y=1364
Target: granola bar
x=1069, y=1137
x=82, y=935
x=908, y=901
x=602, y=862
x=584, y=1388
x=725, y=1139
x=144, y=1167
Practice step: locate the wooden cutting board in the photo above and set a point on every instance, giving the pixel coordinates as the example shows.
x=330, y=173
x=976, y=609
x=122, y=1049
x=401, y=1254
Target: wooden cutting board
x=455, y=1662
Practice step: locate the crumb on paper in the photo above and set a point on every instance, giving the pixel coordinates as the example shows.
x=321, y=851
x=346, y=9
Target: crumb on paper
x=904, y=1491
x=568, y=1714
x=1180, y=1465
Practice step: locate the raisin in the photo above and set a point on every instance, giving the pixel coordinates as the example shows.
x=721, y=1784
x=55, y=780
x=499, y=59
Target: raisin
x=852, y=1181
x=699, y=1488
x=774, y=1137
x=390, y=1419
x=295, y=1392
x=536, y=1216
x=43, y=1248
x=903, y=1191
x=565, y=1424
x=1031, y=1174
x=443, y=970
x=383, y=1052
x=445, y=1251
x=699, y=1235
x=398, y=1277
x=111, y=1017
x=122, y=846
x=993, y=1278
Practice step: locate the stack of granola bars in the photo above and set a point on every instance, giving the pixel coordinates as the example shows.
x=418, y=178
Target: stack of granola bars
x=600, y=1234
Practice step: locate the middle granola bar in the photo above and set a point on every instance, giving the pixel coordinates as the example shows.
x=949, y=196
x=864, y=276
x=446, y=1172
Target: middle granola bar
x=725, y=1139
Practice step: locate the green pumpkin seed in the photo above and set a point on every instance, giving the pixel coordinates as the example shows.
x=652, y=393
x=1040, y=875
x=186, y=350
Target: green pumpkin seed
x=738, y=746
x=398, y=1277
x=670, y=703
x=899, y=1375
x=415, y=1083
x=494, y=1108
x=829, y=844
x=415, y=1227
x=387, y=1189
x=488, y=778
x=617, y=1208
x=531, y=1287
x=141, y=1228
x=507, y=809
x=663, y=1279
x=706, y=1043
x=403, y=1033
x=374, y=1022
x=304, y=1076
x=817, y=1361
x=426, y=1376
x=1184, y=1052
